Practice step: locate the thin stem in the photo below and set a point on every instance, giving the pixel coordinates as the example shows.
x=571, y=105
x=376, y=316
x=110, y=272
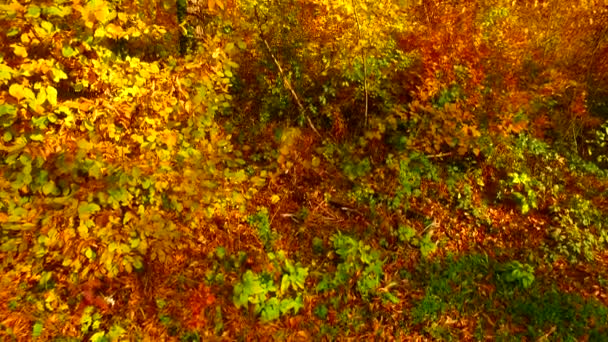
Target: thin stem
x=364, y=56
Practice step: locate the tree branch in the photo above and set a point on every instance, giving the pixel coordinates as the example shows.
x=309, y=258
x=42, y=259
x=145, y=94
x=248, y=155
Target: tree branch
x=364, y=57
x=287, y=83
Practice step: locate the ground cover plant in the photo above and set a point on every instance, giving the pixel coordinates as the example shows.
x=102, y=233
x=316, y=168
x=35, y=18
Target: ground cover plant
x=303, y=170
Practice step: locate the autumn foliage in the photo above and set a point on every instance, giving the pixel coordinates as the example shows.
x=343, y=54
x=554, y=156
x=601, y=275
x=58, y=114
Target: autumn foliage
x=187, y=168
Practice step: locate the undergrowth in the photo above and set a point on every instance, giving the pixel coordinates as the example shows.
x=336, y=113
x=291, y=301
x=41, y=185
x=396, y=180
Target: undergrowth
x=298, y=170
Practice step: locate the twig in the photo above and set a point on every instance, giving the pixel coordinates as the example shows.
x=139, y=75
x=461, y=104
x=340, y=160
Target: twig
x=344, y=207
x=545, y=337
x=287, y=83
x=440, y=155
x=364, y=57
x=293, y=217
x=431, y=225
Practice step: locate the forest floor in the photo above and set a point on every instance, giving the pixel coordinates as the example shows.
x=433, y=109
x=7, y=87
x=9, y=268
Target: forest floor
x=320, y=254
x=449, y=265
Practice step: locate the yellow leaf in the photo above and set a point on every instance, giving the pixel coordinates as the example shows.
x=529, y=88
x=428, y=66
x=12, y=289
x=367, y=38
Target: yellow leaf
x=100, y=32
x=19, y=92
x=25, y=38
x=128, y=266
x=238, y=198
x=16, y=91
x=275, y=198
x=47, y=26
x=83, y=231
x=12, y=9
x=58, y=74
x=114, y=30
x=137, y=138
x=19, y=50
x=170, y=139
x=41, y=96
x=101, y=11
x=51, y=95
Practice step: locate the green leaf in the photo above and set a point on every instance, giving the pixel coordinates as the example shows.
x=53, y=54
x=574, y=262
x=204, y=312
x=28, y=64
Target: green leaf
x=86, y=208
x=6, y=72
x=86, y=320
x=137, y=263
x=324, y=285
x=240, y=297
x=146, y=183
x=271, y=311
x=33, y=11
x=49, y=187
x=115, y=332
x=8, y=114
x=67, y=51
x=406, y=233
x=427, y=246
x=390, y=297
x=37, y=330
x=285, y=282
x=220, y=252
x=286, y=305
x=59, y=11
x=525, y=208
x=40, y=122
x=321, y=311
x=94, y=170
x=298, y=304
x=13, y=31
